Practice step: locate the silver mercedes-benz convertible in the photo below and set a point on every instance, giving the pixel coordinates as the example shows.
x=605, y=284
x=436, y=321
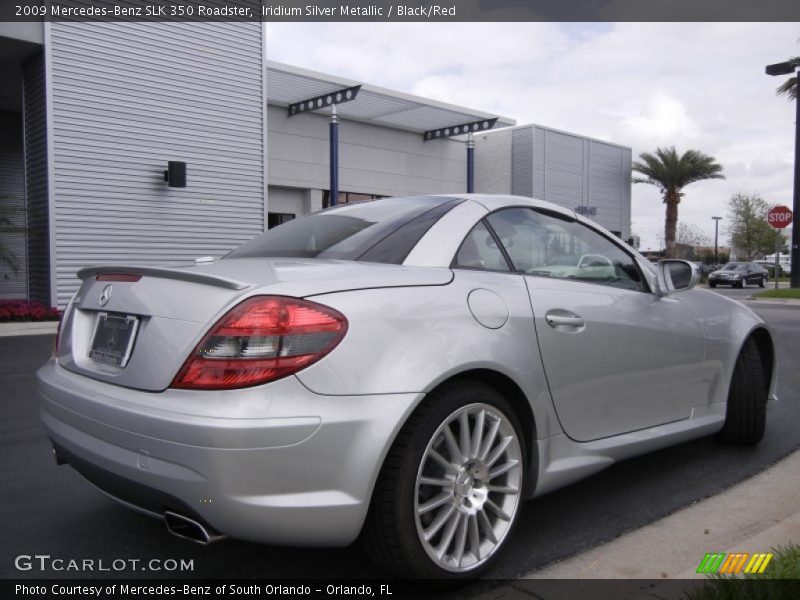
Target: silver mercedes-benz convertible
x=405, y=371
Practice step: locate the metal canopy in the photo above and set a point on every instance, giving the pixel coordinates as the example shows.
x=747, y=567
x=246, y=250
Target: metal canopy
x=287, y=84
x=325, y=100
x=460, y=129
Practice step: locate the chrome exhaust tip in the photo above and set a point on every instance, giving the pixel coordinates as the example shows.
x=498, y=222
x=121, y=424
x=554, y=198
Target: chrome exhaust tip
x=183, y=527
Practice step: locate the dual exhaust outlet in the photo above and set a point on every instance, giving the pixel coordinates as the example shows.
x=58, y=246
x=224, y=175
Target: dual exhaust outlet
x=184, y=527
x=177, y=524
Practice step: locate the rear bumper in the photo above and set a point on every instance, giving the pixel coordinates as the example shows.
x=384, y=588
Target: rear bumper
x=273, y=464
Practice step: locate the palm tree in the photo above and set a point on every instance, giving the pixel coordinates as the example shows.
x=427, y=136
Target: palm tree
x=671, y=173
x=789, y=87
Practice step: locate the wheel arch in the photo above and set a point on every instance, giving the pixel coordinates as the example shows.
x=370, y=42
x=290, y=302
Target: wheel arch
x=513, y=393
x=766, y=350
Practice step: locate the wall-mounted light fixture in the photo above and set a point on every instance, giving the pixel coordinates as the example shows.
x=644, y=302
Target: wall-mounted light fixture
x=175, y=175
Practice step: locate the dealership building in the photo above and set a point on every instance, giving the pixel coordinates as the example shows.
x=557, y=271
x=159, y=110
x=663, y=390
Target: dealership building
x=92, y=114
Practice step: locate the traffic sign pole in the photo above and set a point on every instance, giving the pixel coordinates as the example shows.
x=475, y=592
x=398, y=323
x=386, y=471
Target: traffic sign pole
x=794, y=247
x=780, y=217
x=778, y=240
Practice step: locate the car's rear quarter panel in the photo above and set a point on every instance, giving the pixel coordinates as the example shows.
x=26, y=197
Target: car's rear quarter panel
x=412, y=339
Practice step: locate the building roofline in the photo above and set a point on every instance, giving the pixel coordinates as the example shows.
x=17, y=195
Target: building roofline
x=326, y=78
x=556, y=130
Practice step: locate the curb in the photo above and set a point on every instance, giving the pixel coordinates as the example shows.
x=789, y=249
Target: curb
x=783, y=301
x=28, y=328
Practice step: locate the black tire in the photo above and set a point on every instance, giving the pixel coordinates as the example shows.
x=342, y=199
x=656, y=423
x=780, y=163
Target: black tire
x=740, y=284
x=762, y=282
x=746, y=413
x=712, y=285
x=395, y=529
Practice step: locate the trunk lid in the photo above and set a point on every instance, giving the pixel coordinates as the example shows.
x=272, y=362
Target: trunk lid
x=138, y=333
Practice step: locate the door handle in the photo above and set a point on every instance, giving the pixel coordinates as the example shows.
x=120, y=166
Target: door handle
x=562, y=318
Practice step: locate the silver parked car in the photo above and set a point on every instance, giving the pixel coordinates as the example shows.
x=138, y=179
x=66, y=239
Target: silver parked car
x=407, y=371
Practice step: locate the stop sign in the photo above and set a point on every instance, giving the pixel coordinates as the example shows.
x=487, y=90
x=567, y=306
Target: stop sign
x=779, y=217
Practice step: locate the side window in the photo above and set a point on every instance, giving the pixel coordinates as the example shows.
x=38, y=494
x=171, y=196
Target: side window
x=479, y=251
x=548, y=245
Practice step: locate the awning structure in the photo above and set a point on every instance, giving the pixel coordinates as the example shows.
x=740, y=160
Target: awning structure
x=301, y=90
x=287, y=84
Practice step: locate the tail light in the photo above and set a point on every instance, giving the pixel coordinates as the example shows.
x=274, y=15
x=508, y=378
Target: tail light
x=260, y=340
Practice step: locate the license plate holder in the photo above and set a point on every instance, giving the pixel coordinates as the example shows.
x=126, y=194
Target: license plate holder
x=113, y=338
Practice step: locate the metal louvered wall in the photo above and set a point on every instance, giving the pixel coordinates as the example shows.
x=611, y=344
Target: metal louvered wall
x=36, y=180
x=127, y=98
x=12, y=198
x=573, y=171
x=521, y=162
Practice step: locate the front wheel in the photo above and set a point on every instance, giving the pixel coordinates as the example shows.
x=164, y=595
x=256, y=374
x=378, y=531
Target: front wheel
x=762, y=282
x=740, y=284
x=450, y=489
x=712, y=285
x=746, y=413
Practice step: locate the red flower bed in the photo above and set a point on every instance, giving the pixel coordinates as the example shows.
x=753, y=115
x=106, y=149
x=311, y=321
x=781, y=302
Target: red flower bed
x=26, y=310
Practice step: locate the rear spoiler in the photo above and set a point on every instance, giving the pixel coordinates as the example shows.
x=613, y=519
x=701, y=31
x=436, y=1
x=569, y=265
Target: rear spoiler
x=165, y=273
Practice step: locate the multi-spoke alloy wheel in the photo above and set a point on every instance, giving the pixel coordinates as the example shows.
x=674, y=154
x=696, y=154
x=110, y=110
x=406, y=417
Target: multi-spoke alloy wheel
x=468, y=487
x=451, y=486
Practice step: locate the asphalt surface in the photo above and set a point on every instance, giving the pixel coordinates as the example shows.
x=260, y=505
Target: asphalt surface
x=51, y=510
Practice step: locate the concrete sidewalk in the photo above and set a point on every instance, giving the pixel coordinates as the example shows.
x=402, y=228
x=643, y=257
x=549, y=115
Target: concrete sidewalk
x=660, y=560
x=28, y=328
x=758, y=514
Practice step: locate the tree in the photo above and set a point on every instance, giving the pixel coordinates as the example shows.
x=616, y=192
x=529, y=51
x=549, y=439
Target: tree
x=789, y=87
x=708, y=257
x=687, y=238
x=691, y=235
x=751, y=234
x=671, y=173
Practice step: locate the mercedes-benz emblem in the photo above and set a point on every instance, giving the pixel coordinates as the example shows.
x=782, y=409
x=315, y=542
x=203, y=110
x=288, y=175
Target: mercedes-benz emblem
x=106, y=295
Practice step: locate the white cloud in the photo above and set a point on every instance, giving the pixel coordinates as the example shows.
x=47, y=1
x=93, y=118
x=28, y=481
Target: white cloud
x=644, y=85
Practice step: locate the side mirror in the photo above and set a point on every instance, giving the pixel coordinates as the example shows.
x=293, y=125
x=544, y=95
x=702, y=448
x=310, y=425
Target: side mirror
x=676, y=276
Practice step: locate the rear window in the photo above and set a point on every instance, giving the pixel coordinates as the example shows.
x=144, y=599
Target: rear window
x=379, y=231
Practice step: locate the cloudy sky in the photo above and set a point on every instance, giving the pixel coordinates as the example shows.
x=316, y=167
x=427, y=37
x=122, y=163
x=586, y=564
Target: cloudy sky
x=644, y=85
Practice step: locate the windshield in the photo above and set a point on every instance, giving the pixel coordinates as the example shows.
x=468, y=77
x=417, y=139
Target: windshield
x=379, y=231
x=734, y=267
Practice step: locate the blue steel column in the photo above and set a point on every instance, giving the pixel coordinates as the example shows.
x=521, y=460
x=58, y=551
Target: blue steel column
x=334, y=143
x=470, y=164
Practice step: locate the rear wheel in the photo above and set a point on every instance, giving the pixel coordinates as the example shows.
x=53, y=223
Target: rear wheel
x=746, y=413
x=450, y=489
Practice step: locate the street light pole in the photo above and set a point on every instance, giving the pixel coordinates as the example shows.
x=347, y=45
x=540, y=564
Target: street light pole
x=794, y=251
x=788, y=68
x=716, y=240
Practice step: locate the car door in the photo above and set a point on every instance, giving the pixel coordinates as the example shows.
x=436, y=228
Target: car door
x=753, y=273
x=617, y=357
